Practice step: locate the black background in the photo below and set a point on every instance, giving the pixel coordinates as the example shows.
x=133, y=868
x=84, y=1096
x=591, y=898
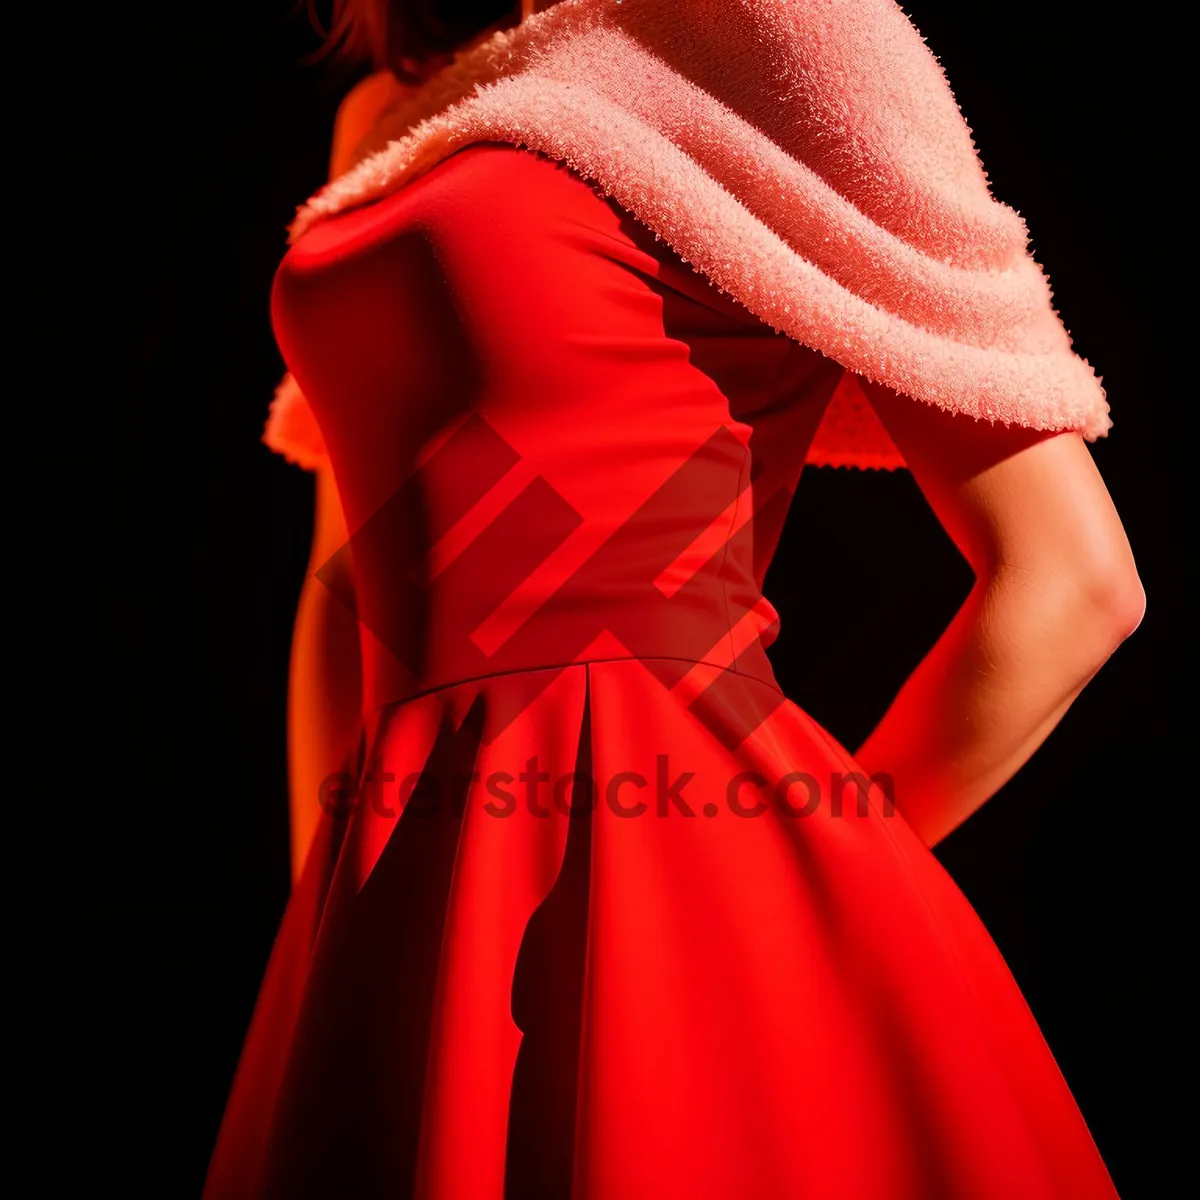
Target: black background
x=160, y=151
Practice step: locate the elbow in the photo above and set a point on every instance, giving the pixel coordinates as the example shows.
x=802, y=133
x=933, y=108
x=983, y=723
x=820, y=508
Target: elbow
x=1122, y=600
x=1078, y=611
x=1110, y=603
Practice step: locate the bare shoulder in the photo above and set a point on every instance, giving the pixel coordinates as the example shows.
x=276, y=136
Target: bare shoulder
x=369, y=95
x=358, y=111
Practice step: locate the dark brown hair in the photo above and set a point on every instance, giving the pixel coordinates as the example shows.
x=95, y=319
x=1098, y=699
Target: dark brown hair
x=411, y=38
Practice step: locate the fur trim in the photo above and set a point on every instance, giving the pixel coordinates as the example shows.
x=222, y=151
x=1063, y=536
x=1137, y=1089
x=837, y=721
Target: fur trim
x=292, y=429
x=808, y=157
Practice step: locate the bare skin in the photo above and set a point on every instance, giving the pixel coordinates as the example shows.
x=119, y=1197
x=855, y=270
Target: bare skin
x=1056, y=593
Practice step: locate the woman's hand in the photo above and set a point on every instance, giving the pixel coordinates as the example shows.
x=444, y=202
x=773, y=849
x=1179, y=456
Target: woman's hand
x=1056, y=592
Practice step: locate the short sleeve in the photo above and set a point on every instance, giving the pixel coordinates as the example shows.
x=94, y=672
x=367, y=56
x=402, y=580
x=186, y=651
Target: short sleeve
x=292, y=429
x=851, y=434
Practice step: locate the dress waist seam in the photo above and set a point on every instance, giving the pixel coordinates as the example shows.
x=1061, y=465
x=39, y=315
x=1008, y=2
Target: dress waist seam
x=378, y=709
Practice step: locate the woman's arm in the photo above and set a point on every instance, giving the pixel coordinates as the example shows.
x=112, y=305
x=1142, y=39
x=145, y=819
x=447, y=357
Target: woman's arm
x=325, y=677
x=1056, y=592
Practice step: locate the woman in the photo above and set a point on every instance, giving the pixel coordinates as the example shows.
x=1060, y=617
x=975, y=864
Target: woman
x=606, y=915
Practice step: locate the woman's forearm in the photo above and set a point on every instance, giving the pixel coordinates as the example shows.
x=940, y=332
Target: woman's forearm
x=325, y=686
x=990, y=691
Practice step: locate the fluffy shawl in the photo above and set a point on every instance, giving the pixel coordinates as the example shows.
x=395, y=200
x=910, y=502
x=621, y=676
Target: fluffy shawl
x=808, y=157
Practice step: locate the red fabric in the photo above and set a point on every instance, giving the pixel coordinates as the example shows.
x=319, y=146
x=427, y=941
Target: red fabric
x=568, y=458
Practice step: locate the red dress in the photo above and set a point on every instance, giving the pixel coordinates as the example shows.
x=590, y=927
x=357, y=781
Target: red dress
x=605, y=916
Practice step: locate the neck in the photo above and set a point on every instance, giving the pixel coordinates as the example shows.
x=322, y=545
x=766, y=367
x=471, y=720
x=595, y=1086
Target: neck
x=528, y=9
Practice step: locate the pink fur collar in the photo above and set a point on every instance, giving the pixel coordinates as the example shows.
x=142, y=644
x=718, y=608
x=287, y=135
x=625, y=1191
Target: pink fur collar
x=808, y=157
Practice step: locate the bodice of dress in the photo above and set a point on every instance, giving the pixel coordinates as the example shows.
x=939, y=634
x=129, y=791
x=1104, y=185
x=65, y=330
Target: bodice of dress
x=554, y=440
